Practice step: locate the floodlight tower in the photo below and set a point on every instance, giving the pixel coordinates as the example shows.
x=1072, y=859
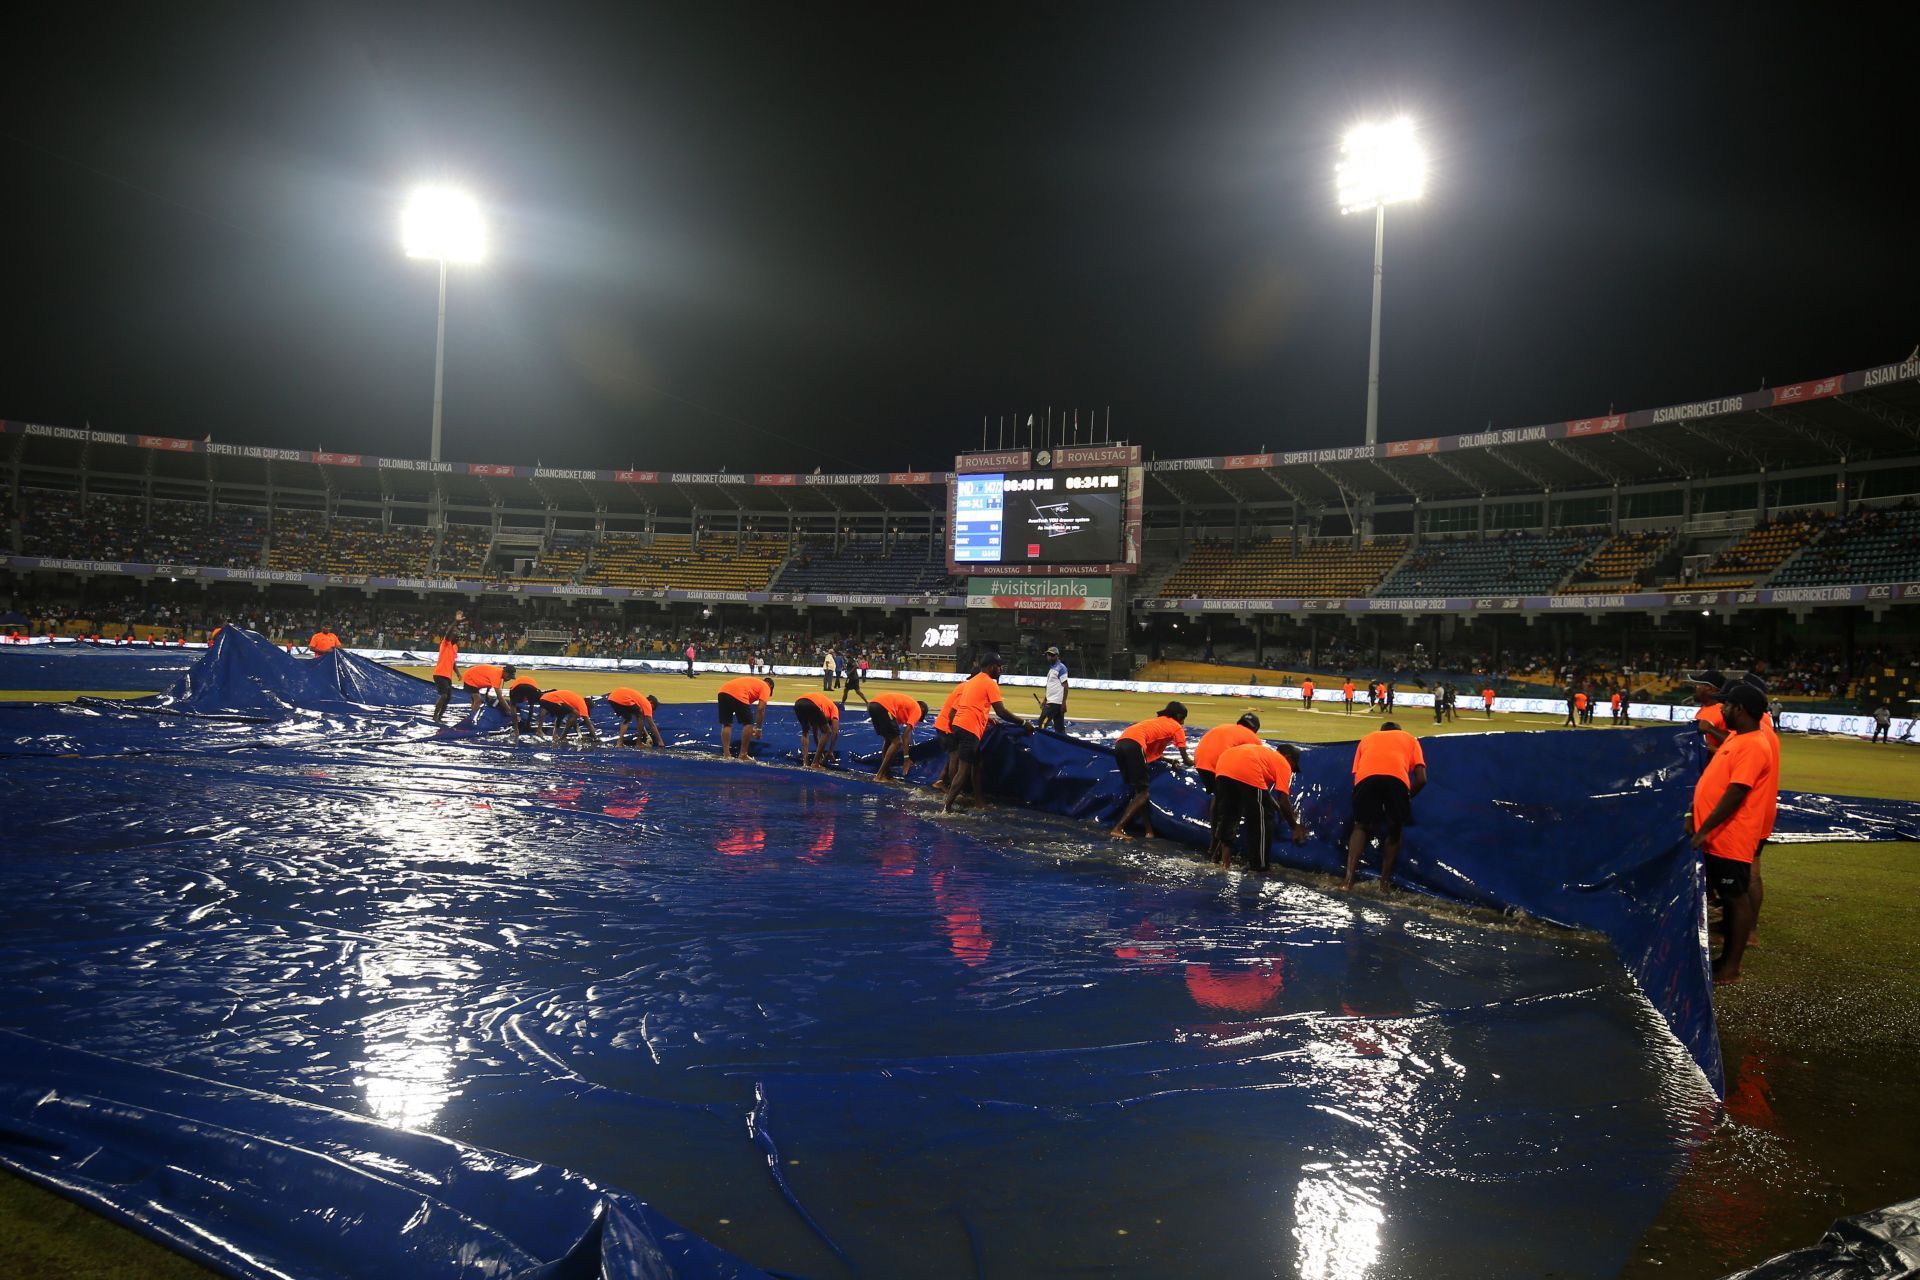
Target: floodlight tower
x=1380, y=164
x=444, y=225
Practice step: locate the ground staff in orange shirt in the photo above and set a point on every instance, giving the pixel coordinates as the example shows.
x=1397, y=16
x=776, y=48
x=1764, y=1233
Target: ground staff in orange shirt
x=323, y=641
x=1389, y=769
x=943, y=735
x=523, y=704
x=1486, y=701
x=893, y=716
x=1346, y=693
x=443, y=665
x=1207, y=752
x=1139, y=746
x=565, y=706
x=1731, y=806
x=636, y=717
x=977, y=697
x=742, y=702
x=1254, y=779
x=819, y=718
x=479, y=679
x=1306, y=695
x=1710, y=719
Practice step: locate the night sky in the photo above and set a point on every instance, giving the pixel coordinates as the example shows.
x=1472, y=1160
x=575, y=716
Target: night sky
x=786, y=235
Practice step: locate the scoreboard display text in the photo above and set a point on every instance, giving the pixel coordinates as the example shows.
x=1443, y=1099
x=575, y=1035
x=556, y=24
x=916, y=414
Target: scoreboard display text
x=1039, y=517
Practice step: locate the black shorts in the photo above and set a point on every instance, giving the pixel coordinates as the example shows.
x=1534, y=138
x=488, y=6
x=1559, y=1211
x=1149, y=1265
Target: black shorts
x=1133, y=764
x=1206, y=781
x=810, y=716
x=624, y=711
x=943, y=739
x=853, y=679
x=883, y=723
x=965, y=745
x=1727, y=878
x=1235, y=803
x=443, y=683
x=1381, y=805
x=734, y=711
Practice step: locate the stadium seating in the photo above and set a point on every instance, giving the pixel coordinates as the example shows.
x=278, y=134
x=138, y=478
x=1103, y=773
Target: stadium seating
x=670, y=560
x=111, y=527
x=1514, y=563
x=1622, y=562
x=564, y=562
x=464, y=549
x=1754, y=555
x=305, y=541
x=1873, y=545
x=866, y=565
x=1272, y=568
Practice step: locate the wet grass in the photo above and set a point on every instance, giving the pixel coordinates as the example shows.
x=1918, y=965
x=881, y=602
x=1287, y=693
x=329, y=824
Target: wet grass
x=43, y=1234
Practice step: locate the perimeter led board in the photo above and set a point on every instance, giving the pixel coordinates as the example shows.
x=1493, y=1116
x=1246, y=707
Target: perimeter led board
x=1040, y=517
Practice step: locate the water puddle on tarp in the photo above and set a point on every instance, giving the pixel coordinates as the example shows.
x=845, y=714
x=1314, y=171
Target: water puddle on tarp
x=832, y=1032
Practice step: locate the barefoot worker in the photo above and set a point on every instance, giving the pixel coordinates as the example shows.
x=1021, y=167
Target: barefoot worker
x=636, y=717
x=1139, y=746
x=978, y=697
x=893, y=716
x=1255, y=780
x=742, y=702
x=1732, y=807
x=484, y=681
x=1206, y=752
x=1389, y=769
x=819, y=718
x=565, y=707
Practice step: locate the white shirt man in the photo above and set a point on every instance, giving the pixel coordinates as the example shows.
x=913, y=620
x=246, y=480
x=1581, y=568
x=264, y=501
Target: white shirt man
x=1055, y=711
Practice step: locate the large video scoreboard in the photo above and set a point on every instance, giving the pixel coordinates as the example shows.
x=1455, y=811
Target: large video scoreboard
x=1045, y=511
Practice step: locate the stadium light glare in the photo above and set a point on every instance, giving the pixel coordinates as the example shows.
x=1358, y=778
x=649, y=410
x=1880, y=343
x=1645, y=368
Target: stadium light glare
x=444, y=225
x=1381, y=164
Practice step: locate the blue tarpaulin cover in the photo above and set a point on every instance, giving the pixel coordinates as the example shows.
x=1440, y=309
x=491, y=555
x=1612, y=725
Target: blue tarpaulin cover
x=287, y=966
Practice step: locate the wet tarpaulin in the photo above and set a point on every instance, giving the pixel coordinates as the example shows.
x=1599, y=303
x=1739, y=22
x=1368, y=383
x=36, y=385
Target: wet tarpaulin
x=1883, y=1244
x=803, y=1017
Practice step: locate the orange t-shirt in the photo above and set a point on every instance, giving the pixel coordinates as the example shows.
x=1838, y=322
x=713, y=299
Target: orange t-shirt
x=1615, y=700
x=828, y=707
x=483, y=676
x=1206, y=752
x=624, y=697
x=323, y=642
x=1579, y=702
x=943, y=722
x=448, y=652
x=566, y=698
x=976, y=700
x=523, y=682
x=1380, y=691
x=1306, y=688
x=1486, y=696
x=1257, y=765
x=1745, y=759
x=1387, y=753
x=748, y=689
x=1156, y=735
x=1346, y=691
x=1714, y=716
x=904, y=710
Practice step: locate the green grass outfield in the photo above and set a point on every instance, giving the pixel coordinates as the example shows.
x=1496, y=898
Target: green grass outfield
x=1818, y=1038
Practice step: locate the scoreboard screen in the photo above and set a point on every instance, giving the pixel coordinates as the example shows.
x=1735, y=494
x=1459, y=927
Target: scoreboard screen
x=1039, y=517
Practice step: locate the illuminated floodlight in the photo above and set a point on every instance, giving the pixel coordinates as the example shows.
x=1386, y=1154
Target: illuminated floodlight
x=1380, y=164
x=443, y=224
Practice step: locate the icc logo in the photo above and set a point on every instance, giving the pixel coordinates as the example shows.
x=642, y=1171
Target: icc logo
x=944, y=636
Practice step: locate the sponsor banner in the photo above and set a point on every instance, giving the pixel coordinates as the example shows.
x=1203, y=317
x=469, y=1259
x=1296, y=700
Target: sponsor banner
x=637, y=477
x=997, y=591
x=912, y=477
x=718, y=597
x=167, y=444
x=1819, y=389
x=337, y=459
x=702, y=477
x=492, y=470
x=1885, y=375
x=1412, y=448
x=81, y=434
x=766, y=478
x=1097, y=455
x=1186, y=464
x=1597, y=426
x=998, y=460
x=1815, y=595
x=1698, y=409
x=1349, y=453
x=870, y=477
x=1511, y=435
x=933, y=637
x=1246, y=462
x=411, y=464
x=565, y=473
